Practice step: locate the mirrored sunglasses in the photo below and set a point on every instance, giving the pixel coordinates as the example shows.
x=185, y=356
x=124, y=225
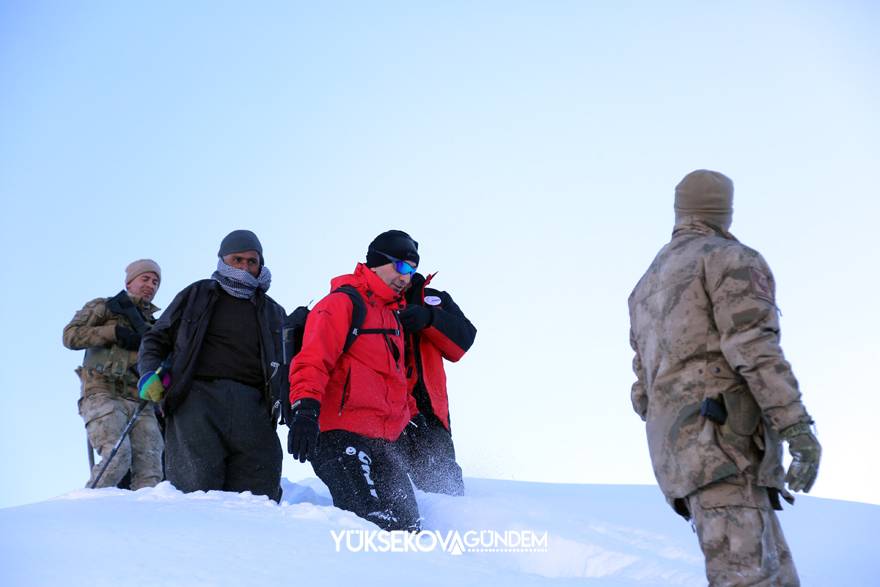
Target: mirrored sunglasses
x=401, y=267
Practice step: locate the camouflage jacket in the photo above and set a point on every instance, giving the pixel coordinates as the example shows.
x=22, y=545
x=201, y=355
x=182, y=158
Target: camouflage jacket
x=704, y=324
x=106, y=365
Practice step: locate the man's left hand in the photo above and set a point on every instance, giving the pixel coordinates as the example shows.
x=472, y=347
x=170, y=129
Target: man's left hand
x=805, y=455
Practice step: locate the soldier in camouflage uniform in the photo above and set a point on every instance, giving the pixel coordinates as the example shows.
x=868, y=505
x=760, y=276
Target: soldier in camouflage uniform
x=110, y=329
x=715, y=391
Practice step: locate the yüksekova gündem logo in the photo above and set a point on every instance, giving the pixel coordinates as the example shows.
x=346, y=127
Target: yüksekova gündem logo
x=453, y=542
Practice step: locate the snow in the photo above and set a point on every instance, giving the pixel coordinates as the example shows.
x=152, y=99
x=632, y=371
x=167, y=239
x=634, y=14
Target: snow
x=608, y=535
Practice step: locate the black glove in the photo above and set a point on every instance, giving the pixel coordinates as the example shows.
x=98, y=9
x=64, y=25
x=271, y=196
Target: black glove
x=413, y=293
x=414, y=318
x=128, y=338
x=302, y=439
x=417, y=427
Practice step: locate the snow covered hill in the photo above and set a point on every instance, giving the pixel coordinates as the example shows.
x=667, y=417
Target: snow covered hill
x=509, y=533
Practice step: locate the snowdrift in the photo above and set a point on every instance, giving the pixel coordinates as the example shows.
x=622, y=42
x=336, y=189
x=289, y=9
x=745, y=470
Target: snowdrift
x=509, y=533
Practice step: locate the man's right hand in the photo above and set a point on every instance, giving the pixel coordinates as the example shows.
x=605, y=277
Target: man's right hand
x=128, y=338
x=417, y=427
x=302, y=439
x=152, y=385
x=805, y=455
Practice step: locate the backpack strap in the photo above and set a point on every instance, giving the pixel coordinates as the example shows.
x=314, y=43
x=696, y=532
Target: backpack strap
x=358, y=314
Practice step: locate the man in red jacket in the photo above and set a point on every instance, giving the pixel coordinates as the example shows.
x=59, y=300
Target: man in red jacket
x=435, y=329
x=349, y=407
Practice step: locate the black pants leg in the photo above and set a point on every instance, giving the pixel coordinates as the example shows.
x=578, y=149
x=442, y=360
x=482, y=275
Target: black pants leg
x=431, y=459
x=253, y=461
x=195, y=457
x=367, y=476
x=222, y=438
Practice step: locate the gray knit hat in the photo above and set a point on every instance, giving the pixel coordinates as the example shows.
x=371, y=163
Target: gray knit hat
x=141, y=266
x=238, y=241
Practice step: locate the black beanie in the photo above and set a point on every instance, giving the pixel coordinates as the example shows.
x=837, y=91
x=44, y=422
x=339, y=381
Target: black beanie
x=394, y=243
x=238, y=241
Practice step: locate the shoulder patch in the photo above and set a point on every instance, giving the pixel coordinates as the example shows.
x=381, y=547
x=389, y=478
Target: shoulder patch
x=762, y=287
x=433, y=300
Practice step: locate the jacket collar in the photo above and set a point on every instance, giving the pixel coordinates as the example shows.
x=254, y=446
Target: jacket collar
x=146, y=308
x=694, y=225
x=364, y=279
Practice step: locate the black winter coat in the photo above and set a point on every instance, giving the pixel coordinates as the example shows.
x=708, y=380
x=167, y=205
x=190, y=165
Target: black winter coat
x=180, y=331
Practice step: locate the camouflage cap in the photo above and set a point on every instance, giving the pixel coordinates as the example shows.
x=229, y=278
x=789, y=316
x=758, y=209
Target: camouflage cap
x=140, y=266
x=707, y=195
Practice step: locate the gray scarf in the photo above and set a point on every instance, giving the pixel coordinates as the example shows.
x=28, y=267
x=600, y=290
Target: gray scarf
x=239, y=283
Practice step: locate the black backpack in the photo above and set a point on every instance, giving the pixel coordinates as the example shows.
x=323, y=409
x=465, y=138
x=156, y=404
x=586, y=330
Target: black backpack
x=295, y=327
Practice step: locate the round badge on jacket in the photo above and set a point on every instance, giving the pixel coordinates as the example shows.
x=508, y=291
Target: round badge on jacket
x=432, y=300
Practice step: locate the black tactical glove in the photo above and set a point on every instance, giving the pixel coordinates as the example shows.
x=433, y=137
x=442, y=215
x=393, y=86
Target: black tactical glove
x=414, y=318
x=302, y=439
x=128, y=338
x=805, y=454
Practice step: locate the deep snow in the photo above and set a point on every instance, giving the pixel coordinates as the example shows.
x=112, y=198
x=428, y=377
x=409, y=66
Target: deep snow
x=608, y=535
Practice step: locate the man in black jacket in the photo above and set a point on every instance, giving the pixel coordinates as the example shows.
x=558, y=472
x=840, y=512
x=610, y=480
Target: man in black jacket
x=220, y=342
x=436, y=331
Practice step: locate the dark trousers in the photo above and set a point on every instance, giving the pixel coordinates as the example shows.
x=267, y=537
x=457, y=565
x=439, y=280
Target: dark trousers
x=222, y=438
x=367, y=476
x=431, y=458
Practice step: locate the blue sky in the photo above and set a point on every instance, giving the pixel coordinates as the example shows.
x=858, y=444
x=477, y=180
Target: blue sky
x=530, y=147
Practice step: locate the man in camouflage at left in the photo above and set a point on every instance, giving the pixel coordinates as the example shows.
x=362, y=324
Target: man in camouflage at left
x=110, y=330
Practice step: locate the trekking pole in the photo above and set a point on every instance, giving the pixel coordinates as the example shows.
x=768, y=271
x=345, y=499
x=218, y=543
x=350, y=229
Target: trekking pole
x=106, y=462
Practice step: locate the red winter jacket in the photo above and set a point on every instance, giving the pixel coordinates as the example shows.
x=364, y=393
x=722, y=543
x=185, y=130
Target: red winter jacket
x=449, y=336
x=364, y=390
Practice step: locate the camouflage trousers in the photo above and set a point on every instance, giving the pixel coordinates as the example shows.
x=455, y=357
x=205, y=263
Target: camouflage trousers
x=106, y=414
x=740, y=536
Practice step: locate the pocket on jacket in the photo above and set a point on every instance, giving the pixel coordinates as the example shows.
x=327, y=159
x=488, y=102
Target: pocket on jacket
x=743, y=413
x=366, y=388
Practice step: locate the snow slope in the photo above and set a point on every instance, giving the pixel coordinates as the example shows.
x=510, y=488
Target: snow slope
x=608, y=535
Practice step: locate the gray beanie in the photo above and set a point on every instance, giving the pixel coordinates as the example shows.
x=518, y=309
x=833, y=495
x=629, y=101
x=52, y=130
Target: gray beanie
x=707, y=195
x=140, y=267
x=238, y=241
